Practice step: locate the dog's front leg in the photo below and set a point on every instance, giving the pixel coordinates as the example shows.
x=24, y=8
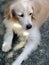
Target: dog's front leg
x=7, y=40
x=32, y=44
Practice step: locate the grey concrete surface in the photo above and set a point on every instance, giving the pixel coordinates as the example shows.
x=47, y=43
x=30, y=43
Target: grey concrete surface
x=38, y=57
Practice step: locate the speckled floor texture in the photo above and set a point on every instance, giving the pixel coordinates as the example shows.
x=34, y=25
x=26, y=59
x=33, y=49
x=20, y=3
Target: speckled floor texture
x=38, y=57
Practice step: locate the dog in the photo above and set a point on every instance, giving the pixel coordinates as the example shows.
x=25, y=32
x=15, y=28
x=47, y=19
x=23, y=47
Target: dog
x=31, y=15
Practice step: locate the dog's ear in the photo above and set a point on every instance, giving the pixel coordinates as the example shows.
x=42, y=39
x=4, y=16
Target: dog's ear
x=37, y=9
x=33, y=17
x=7, y=11
x=13, y=13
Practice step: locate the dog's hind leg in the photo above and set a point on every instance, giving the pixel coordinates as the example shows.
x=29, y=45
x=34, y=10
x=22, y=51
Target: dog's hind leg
x=19, y=46
x=21, y=43
x=23, y=36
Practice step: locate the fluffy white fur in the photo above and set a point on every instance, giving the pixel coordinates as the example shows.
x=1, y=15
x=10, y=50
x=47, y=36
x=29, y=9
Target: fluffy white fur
x=33, y=42
x=31, y=45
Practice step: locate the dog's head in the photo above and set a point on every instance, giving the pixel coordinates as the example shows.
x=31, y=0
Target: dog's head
x=22, y=11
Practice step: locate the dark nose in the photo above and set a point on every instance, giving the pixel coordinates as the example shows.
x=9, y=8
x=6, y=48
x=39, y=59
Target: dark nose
x=29, y=26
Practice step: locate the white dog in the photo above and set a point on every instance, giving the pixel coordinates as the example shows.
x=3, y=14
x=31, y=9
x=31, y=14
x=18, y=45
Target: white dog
x=30, y=14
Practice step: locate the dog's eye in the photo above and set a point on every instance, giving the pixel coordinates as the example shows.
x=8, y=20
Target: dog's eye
x=30, y=13
x=22, y=15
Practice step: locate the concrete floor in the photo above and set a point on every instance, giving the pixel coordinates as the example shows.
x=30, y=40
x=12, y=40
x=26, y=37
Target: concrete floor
x=38, y=57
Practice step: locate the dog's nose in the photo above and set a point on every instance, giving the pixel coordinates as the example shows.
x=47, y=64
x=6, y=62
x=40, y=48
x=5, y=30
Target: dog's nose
x=29, y=26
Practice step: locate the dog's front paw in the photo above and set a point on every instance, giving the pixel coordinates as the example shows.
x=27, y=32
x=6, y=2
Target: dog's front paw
x=16, y=63
x=6, y=47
